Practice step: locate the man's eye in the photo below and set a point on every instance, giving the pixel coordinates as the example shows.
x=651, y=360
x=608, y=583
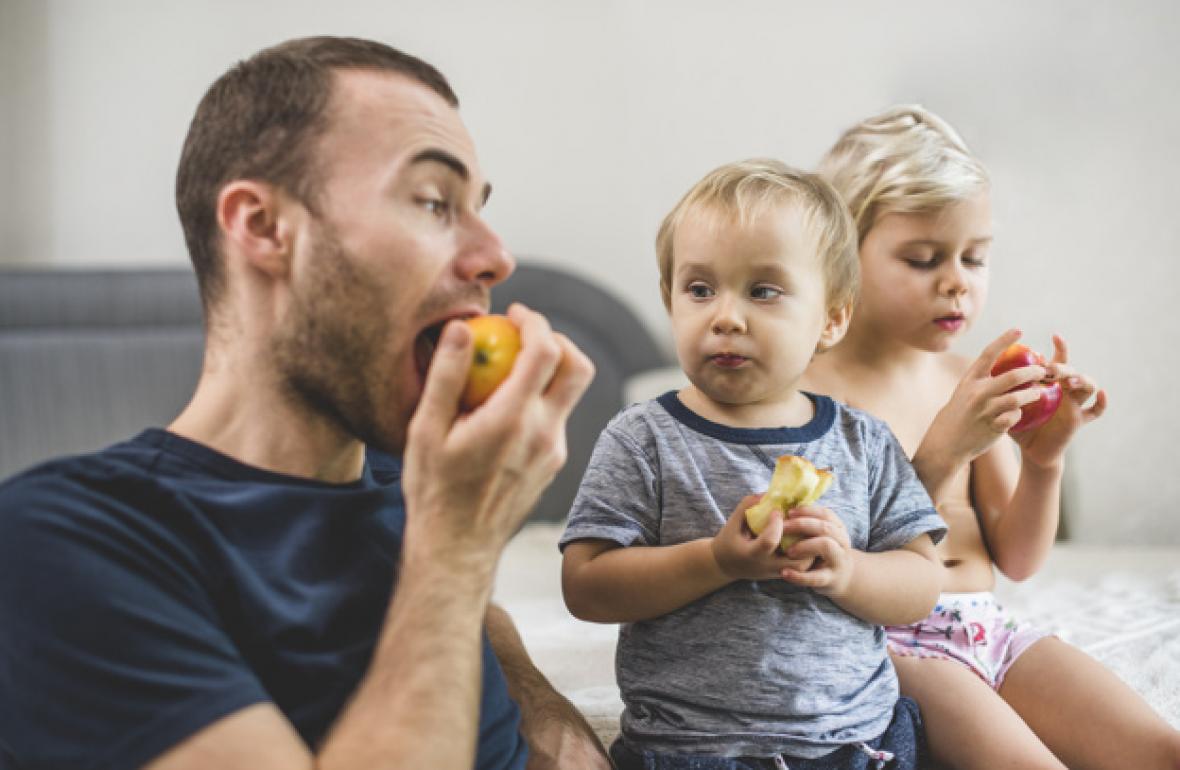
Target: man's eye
x=699, y=291
x=765, y=292
x=436, y=206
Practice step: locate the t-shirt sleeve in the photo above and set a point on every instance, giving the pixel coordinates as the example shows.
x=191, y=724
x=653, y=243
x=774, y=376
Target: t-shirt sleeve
x=111, y=651
x=901, y=509
x=618, y=499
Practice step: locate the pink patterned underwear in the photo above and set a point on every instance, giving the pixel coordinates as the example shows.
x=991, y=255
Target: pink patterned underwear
x=970, y=628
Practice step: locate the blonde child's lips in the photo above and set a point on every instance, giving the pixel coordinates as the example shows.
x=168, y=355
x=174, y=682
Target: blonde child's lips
x=950, y=323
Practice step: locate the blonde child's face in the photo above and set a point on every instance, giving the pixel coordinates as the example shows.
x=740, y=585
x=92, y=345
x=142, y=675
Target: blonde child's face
x=924, y=276
x=747, y=304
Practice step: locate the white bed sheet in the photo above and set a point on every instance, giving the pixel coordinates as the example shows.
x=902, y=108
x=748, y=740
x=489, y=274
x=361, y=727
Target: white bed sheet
x=1122, y=605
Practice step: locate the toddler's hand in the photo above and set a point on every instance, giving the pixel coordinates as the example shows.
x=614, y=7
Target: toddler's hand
x=982, y=408
x=826, y=542
x=743, y=556
x=1045, y=446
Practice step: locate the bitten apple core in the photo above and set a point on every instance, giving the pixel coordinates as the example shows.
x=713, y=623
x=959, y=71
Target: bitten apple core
x=795, y=482
x=496, y=343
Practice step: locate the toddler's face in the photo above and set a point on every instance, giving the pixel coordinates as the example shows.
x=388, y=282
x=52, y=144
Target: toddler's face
x=747, y=304
x=924, y=276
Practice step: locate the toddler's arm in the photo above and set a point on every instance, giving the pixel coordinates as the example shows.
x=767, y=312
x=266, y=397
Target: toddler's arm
x=606, y=583
x=887, y=588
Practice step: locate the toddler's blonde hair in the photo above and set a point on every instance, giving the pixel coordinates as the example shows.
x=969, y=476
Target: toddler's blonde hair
x=742, y=191
x=904, y=160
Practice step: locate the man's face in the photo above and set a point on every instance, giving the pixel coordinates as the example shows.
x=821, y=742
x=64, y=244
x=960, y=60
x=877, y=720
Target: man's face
x=396, y=246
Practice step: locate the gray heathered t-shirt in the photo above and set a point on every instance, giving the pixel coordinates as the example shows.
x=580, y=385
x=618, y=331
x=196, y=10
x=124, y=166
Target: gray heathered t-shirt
x=757, y=668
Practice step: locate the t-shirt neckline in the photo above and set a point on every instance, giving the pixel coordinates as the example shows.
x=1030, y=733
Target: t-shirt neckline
x=227, y=467
x=820, y=423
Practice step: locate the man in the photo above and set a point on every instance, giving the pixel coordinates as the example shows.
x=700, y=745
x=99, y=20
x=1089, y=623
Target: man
x=245, y=589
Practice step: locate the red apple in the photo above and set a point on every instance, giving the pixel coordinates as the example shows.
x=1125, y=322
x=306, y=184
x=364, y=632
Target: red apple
x=1037, y=413
x=497, y=341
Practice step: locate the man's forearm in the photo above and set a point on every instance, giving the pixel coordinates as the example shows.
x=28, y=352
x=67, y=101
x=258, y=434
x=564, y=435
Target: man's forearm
x=418, y=705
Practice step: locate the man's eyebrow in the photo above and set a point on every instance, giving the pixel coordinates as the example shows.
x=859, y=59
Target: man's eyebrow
x=435, y=155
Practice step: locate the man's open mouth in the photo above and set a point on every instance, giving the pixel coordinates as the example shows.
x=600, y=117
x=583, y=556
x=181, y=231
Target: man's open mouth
x=424, y=346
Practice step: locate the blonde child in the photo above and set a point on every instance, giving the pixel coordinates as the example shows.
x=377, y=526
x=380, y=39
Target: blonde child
x=732, y=654
x=993, y=692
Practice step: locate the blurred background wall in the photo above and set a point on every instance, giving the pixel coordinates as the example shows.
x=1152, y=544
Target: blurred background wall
x=592, y=118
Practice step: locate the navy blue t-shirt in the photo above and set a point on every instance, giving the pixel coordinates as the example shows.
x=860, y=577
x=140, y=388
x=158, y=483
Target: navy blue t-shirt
x=156, y=586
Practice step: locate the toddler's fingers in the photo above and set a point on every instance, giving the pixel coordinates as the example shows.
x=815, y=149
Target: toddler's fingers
x=1014, y=378
x=987, y=359
x=772, y=534
x=816, y=577
x=813, y=521
x=1060, y=350
x=1006, y=420
x=1097, y=408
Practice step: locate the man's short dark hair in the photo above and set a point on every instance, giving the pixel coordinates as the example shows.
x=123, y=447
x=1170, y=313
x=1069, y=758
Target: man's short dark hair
x=260, y=120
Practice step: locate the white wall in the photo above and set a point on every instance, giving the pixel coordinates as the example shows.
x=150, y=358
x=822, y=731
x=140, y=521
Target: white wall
x=593, y=117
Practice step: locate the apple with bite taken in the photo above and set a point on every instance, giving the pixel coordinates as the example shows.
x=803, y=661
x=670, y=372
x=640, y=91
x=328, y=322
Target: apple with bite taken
x=795, y=482
x=496, y=342
x=1039, y=412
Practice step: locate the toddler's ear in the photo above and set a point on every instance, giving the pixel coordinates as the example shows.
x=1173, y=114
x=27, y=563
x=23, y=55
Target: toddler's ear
x=834, y=329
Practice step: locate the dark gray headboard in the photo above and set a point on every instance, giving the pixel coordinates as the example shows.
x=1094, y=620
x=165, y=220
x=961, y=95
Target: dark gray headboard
x=89, y=357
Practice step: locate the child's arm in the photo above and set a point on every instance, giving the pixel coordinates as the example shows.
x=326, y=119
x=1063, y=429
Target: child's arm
x=605, y=583
x=1019, y=500
x=979, y=412
x=887, y=588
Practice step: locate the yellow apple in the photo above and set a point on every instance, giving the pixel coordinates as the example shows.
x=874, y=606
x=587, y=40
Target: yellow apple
x=795, y=482
x=497, y=341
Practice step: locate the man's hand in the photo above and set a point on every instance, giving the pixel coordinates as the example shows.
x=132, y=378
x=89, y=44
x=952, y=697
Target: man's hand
x=742, y=555
x=557, y=734
x=471, y=478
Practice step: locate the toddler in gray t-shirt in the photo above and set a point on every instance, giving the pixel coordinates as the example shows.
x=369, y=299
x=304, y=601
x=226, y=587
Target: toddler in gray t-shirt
x=729, y=647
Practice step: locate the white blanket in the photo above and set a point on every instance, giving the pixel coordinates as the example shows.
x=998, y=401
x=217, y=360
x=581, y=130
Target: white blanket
x=1120, y=605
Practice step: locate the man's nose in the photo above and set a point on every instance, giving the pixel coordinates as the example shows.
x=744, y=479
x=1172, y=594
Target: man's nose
x=483, y=256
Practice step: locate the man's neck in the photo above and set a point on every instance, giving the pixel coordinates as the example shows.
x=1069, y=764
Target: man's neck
x=240, y=410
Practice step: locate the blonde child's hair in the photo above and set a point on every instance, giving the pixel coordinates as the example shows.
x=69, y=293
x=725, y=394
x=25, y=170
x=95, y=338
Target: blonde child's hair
x=904, y=160
x=742, y=191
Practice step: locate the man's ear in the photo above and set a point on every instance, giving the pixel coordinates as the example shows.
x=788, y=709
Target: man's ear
x=254, y=222
x=836, y=326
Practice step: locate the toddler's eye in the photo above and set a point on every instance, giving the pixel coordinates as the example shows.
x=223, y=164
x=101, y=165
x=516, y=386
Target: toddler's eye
x=920, y=263
x=975, y=260
x=765, y=292
x=699, y=291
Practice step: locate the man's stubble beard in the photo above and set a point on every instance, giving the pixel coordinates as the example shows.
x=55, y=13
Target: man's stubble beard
x=329, y=353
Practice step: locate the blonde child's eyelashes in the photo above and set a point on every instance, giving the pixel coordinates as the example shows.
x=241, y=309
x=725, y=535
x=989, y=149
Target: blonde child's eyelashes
x=928, y=263
x=699, y=291
x=766, y=292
